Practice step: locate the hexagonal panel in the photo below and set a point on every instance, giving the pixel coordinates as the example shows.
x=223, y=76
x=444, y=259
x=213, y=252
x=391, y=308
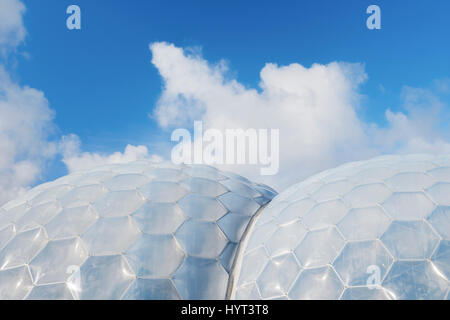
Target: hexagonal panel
x=227, y=256
x=239, y=188
x=58, y=291
x=22, y=248
x=319, y=247
x=410, y=239
x=201, y=239
x=277, y=276
x=12, y=215
x=152, y=289
x=325, y=214
x=238, y=204
x=408, y=206
x=6, y=234
x=367, y=195
x=166, y=174
x=50, y=194
x=410, y=181
x=253, y=264
x=441, y=259
x=200, y=207
x=156, y=256
x=332, y=190
x=159, y=218
x=163, y=191
x=443, y=174
x=203, y=186
x=82, y=196
x=71, y=222
x=439, y=192
x=247, y=292
x=118, y=203
x=364, y=293
x=233, y=225
x=38, y=216
x=15, y=283
x=285, y=239
x=440, y=220
x=51, y=264
x=110, y=235
x=295, y=211
x=412, y=280
x=359, y=262
x=321, y=283
x=364, y=223
x=199, y=278
x=204, y=172
x=373, y=175
x=126, y=182
x=105, y=277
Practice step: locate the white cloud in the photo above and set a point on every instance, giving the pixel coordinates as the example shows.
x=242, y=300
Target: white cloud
x=316, y=110
x=12, y=30
x=75, y=160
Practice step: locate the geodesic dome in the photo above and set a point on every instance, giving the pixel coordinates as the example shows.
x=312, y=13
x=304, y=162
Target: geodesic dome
x=130, y=231
x=377, y=229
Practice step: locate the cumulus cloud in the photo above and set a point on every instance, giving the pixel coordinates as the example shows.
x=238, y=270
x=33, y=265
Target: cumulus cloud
x=12, y=30
x=315, y=108
x=76, y=160
x=25, y=136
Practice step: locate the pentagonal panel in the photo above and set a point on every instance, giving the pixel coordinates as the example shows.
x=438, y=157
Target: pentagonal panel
x=155, y=256
x=410, y=239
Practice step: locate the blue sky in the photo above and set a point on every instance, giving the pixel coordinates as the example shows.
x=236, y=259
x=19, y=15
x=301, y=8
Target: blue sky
x=101, y=83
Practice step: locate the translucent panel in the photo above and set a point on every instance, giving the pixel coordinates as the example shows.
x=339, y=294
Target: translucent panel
x=110, y=235
x=166, y=174
x=410, y=181
x=443, y=173
x=364, y=223
x=201, y=279
x=6, y=234
x=197, y=206
x=439, y=192
x=410, y=240
x=363, y=263
x=52, y=263
x=156, y=256
x=332, y=190
x=248, y=292
x=238, y=204
x=266, y=191
x=325, y=214
x=12, y=215
x=271, y=212
x=261, y=200
x=205, y=187
x=373, y=175
x=71, y=222
x=159, y=218
x=58, y=291
x=118, y=203
x=408, y=206
x=412, y=280
x=204, y=172
x=365, y=293
x=227, y=256
x=440, y=220
x=319, y=247
x=278, y=276
x=105, y=277
x=240, y=188
x=82, y=196
x=22, y=248
x=441, y=259
x=317, y=284
x=367, y=195
x=93, y=178
x=285, y=239
x=296, y=210
x=38, y=216
x=152, y=289
x=15, y=283
x=233, y=225
x=126, y=182
x=253, y=264
x=51, y=194
x=163, y=191
x=260, y=234
x=201, y=238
